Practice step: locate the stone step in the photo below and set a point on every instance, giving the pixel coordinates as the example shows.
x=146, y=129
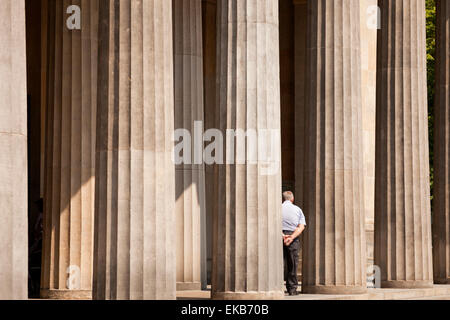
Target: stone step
x=435, y=298
x=438, y=292
x=409, y=294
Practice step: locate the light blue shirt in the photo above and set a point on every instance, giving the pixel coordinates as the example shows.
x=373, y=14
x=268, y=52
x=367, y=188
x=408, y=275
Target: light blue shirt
x=292, y=217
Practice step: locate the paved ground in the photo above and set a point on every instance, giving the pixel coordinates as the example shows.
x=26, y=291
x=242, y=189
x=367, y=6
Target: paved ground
x=439, y=292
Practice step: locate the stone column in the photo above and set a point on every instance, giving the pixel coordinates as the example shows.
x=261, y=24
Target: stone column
x=248, y=260
x=402, y=192
x=190, y=173
x=209, y=8
x=441, y=215
x=287, y=94
x=13, y=152
x=334, y=252
x=70, y=155
x=134, y=252
x=369, y=31
x=301, y=17
x=300, y=35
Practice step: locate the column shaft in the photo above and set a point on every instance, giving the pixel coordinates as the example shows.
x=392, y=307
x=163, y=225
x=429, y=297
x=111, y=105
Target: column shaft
x=189, y=113
x=369, y=31
x=209, y=67
x=248, y=259
x=70, y=155
x=334, y=252
x=402, y=207
x=13, y=152
x=134, y=253
x=300, y=34
x=287, y=94
x=441, y=215
x=300, y=43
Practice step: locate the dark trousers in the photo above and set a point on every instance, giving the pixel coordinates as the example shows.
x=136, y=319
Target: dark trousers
x=290, y=255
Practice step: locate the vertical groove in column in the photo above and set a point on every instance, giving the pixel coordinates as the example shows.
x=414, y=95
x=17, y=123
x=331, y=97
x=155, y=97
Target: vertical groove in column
x=190, y=177
x=441, y=215
x=334, y=250
x=134, y=255
x=402, y=221
x=70, y=176
x=13, y=152
x=248, y=244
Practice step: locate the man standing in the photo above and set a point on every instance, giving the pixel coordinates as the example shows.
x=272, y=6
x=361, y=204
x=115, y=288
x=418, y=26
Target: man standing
x=294, y=223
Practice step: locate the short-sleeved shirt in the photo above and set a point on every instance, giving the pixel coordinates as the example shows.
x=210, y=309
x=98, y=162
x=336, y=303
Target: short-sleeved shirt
x=292, y=217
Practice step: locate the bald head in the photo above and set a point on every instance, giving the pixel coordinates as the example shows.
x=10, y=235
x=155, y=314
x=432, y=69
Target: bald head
x=288, y=196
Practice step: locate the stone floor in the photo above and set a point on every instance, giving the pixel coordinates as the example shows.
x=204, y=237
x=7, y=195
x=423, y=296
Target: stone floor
x=439, y=292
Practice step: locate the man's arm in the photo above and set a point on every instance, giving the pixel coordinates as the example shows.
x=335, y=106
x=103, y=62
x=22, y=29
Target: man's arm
x=297, y=233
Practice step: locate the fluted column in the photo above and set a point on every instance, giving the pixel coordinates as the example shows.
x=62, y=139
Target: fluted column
x=209, y=8
x=248, y=259
x=189, y=113
x=402, y=207
x=369, y=31
x=334, y=252
x=441, y=215
x=13, y=152
x=301, y=17
x=134, y=253
x=300, y=44
x=70, y=155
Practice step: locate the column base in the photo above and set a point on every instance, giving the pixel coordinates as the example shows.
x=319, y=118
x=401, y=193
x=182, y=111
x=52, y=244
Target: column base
x=66, y=294
x=252, y=295
x=334, y=290
x=442, y=281
x=407, y=284
x=189, y=286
